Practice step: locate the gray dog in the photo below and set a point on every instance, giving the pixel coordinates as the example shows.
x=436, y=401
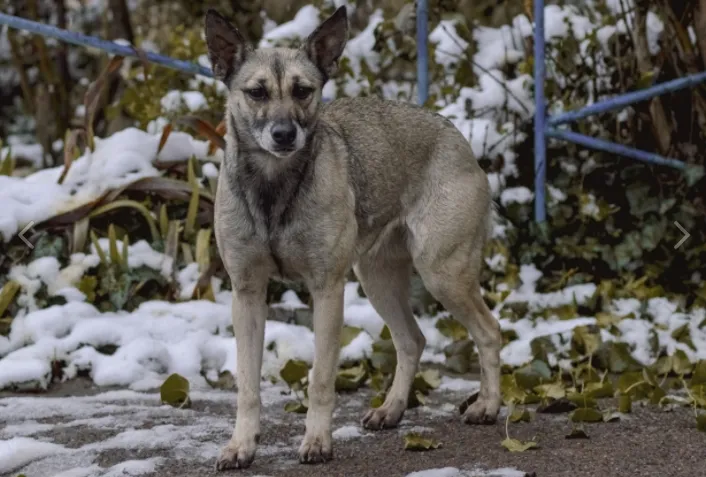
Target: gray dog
x=309, y=190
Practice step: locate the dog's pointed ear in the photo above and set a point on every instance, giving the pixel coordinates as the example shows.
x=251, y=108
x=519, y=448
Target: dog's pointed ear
x=325, y=45
x=227, y=48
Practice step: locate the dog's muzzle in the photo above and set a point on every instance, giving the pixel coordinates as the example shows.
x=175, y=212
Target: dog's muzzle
x=284, y=134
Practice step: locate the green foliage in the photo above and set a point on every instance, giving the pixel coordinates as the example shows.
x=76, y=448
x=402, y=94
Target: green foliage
x=175, y=391
x=414, y=441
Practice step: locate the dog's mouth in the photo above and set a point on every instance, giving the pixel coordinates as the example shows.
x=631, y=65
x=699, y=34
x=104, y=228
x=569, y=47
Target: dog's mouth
x=283, y=152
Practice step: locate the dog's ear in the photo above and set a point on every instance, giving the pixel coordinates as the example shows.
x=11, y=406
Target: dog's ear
x=325, y=45
x=227, y=48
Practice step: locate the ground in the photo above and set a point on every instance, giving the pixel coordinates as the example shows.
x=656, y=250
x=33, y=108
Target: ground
x=109, y=433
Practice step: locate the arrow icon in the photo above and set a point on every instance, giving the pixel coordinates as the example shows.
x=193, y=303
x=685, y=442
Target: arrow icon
x=22, y=237
x=686, y=235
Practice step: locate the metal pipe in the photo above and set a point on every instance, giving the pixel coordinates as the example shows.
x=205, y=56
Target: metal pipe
x=614, y=148
x=628, y=99
x=94, y=42
x=540, y=145
x=422, y=51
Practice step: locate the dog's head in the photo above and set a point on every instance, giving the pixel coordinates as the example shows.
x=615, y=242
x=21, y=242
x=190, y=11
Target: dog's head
x=275, y=93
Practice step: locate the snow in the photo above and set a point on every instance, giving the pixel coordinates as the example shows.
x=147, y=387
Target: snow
x=455, y=472
x=301, y=26
x=118, y=160
x=20, y=451
x=192, y=100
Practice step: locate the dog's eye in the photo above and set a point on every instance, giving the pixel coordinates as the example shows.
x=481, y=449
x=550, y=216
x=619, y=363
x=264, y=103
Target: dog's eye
x=257, y=93
x=302, y=92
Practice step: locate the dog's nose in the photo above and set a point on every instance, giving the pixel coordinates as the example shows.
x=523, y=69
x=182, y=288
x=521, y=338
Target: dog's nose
x=284, y=133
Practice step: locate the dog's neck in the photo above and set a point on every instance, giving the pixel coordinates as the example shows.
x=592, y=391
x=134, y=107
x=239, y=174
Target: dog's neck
x=268, y=184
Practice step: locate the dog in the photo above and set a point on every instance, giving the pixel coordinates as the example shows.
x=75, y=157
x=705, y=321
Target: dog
x=310, y=190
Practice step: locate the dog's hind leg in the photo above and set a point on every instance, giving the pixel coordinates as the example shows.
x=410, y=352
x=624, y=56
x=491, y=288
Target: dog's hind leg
x=249, y=314
x=386, y=280
x=449, y=228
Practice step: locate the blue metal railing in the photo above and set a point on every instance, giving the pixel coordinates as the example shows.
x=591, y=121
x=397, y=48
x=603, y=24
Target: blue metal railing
x=109, y=46
x=422, y=51
x=545, y=126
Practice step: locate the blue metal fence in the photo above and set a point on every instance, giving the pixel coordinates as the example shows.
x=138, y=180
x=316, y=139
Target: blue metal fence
x=545, y=126
x=91, y=41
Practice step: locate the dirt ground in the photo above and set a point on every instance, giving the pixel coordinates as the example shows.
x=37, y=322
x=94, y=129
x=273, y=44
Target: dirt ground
x=647, y=442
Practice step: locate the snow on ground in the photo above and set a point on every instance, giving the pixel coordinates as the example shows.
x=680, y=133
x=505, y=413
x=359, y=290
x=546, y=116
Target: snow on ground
x=130, y=433
x=454, y=472
x=112, y=421
x=194, y=337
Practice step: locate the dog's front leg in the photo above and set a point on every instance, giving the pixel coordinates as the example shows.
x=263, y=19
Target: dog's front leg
x=249, y=315
x=328, y=320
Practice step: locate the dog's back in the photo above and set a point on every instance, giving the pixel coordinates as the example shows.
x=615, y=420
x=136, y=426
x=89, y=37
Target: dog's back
x=397, y=153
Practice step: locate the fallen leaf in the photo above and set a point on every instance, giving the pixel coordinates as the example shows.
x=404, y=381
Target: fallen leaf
x=294, y=371
x=514, y=445
x=175, y=391
x=416, y=442
x=584, y=414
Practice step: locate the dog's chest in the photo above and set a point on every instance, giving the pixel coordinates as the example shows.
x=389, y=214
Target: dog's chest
x=282, y=226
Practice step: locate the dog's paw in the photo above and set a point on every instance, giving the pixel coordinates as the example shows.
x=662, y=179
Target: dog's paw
x=386, y=416
x=315, y=450
x=236, y=456
x=483, y=411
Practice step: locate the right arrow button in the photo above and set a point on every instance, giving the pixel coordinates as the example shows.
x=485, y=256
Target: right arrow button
x=686, y=235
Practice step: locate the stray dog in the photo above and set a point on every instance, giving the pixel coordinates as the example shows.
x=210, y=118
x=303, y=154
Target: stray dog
x=308, y=190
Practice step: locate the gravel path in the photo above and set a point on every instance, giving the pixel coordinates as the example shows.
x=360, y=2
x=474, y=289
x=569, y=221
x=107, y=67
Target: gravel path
x=125, y=433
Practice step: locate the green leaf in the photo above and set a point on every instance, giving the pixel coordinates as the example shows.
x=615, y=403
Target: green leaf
x=624, y=404
x=294, y=371
x=599, y=390
x=452, y=328
x=582, y=400
x=7, y=295
x=514, y=445
x=520, y=415
x=297, y=407
x=414, y=441
x=384, y=356
x=551, y=390
x=699, y=374
x=701, y=422
x=584, y=414
x=426, y=380
x=646, y=80
x=115, y=257
x=459, y=356
x=377, y=400
x=192, y=211
x=511, y=391
x=348, y=334
x=175, y=391
x=138, y=206
x=351, y=379
x=415, y=399
x=616, y=358
x=681, y=364
x=385, y=333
